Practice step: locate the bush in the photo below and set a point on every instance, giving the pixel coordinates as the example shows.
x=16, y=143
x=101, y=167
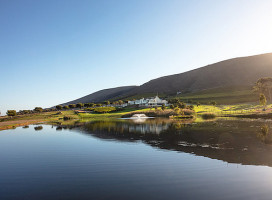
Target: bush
x=163, y=107
x=66, y=118
x=11, y=113
x=66, y=107
x=181, y=105
x=72, y=105
x=79, y=105
x=38, y=109
x=172, y=106
x=87, y=105
x=59, y=107
x=213, y=103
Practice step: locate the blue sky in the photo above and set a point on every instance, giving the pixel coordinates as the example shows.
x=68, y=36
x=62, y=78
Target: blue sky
x=54, y=51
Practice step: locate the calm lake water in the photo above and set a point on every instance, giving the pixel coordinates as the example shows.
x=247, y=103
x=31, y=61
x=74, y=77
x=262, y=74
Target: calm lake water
x=125, y=159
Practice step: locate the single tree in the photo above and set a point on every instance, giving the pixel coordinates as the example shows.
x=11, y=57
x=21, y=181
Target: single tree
x=120, y=102
x=38, y=109
x=66, y=107
x=181, y=105
x=11, y=113
x=172, y=106
x=213, y=103
x=264, y=86
x=163, y=107
x=58, y=107
x=72, y=105
x=177, y=110
x=79, y=105
x=107, y=103
x=87, y=105
x=262, y=100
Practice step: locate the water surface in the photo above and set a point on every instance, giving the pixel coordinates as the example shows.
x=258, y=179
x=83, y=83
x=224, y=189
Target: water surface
x=125, y=159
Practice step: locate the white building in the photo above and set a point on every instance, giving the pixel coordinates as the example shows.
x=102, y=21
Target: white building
x=148, y=102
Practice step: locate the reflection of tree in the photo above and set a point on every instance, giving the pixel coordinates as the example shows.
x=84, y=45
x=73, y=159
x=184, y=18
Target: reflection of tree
x=38, y=128
x=264, y=134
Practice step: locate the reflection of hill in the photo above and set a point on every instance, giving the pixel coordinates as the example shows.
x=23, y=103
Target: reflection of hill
x=230, y=141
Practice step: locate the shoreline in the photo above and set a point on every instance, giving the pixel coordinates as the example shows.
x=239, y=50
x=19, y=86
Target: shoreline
x=57, y=117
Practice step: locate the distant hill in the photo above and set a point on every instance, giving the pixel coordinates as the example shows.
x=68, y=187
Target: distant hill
x=243, y=71
x=234, y=73
x=103, y=95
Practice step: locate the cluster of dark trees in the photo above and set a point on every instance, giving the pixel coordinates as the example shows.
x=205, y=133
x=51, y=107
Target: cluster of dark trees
x=89, y=105
x=23, y=112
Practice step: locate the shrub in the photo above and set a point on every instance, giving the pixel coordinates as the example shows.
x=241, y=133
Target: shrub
x=59, y=107
x=163, y=107
x=172, y=106
x=38, y=109
x=72, y=105
x=181, y=105
x=66, y=107
x=11, y=113
x=87, y=105
x=79, y=105
x=177, y=110
x=213, y=103
x=66, y=118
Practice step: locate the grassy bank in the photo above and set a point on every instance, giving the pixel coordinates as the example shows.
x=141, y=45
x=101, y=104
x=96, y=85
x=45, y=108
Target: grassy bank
x=56, y=117
x=44, y=117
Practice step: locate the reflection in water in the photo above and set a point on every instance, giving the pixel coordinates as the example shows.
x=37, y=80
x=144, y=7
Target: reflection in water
x=38, y=128
x=244, y=141
x=264, y=134
x=97, y=160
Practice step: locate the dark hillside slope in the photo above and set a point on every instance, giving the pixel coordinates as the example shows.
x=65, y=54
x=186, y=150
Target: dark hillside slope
x=235, y=73
x=103, y=95
x=242, y=71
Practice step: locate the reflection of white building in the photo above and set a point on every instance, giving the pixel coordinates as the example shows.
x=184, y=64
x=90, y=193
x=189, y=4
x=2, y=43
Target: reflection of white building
x=149, y=102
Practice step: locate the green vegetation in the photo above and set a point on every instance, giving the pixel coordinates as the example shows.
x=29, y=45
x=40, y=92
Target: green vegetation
x=79, y=105
x=38, y=109
x=72, y=106
x=263, y=100
x=264, y=86
x=59, y=107
x=104, y=109
x=11, y=113
x=66, y=107
x=223, y=96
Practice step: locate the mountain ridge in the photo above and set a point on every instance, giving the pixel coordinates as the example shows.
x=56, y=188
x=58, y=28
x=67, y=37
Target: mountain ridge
x=240, y=71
